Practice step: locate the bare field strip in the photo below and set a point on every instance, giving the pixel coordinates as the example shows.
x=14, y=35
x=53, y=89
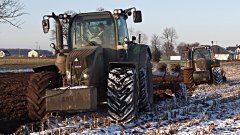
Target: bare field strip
x=24, y=62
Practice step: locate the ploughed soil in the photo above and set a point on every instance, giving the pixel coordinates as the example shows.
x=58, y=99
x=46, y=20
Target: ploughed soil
x=13, y=109
x=13, y=102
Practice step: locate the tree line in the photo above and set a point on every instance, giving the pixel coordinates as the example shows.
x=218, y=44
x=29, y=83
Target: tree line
x=164, y=45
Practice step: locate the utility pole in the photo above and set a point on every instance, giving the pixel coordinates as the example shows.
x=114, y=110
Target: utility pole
x=213, y=43
x=37, y=49
x=18, y=52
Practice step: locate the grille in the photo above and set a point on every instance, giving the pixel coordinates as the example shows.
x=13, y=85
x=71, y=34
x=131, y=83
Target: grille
x=202, y=64
x=78, y=60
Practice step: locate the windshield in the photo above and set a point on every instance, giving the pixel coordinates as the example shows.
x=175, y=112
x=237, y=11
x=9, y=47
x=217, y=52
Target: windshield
x=92, y=29
x=122, y=29
x=201, y=53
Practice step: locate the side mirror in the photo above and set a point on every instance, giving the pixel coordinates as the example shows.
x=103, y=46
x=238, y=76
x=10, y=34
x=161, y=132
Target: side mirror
x=45, y=25
x=137, y=16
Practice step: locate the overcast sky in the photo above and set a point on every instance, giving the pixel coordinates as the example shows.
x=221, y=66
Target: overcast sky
x=200, y=21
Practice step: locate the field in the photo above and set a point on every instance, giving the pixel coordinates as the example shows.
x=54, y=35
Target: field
x=210, y=110
x=24, y=62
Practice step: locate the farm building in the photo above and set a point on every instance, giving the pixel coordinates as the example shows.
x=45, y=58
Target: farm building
x=45, y=53
x=33, y=53
x=24, y=52
x=221, y=53
x=236, y=50
x=4, y=53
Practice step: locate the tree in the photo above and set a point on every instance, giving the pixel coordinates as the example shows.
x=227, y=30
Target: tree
x=10, y=11
x=143, y=38
x=182, y=47
x=169, y=36
x=100, y=9
x=156, y=53
x=131, y=32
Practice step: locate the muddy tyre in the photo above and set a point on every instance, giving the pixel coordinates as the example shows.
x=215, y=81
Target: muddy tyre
x=217, y=77
x=145, y=85
x=36, y=89
x=188, y=77
x=182, y=93
x=122, y=105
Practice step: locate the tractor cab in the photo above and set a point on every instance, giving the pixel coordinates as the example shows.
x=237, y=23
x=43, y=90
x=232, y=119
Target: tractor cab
x=106, y=29
x=92, y=29
x=202, y=52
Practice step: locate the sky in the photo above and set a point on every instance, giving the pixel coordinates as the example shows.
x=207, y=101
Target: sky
x=200, y=21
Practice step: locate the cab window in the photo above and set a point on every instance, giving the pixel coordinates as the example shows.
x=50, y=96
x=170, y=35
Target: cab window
x=89, y=30
x=122, y=29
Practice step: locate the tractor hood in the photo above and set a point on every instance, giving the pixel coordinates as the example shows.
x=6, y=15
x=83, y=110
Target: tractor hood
x=202, y=64
x=82, y=64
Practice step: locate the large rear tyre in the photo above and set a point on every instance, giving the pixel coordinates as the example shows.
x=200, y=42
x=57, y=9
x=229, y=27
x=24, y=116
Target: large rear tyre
x=145, y=85
x=182, y=93
x=122, y=105
x=217, y=75
x=36, y=90
x=188, y=77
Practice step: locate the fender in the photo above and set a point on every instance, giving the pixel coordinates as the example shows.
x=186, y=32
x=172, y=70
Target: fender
x=137, y=53
x=51, y=68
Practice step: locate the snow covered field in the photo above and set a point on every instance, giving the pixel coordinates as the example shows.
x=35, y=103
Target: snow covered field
x=210, y=110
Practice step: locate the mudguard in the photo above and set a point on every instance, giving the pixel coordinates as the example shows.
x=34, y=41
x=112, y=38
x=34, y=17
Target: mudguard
x=137, y=53
x=50, y=68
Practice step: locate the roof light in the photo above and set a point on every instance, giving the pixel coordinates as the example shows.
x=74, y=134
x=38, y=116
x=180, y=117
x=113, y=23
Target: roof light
x=115, y=11
x=119, y=11
x=65, y=15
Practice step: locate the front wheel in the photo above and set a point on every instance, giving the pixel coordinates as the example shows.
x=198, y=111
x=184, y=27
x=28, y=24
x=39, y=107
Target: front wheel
x=121, y=95
x=217, y=77
x=182, y=93
x=188, y=77
x=36, y=90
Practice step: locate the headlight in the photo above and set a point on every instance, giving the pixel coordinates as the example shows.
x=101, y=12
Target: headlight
x=84, y=75
x=68, y=74
x=84, y=79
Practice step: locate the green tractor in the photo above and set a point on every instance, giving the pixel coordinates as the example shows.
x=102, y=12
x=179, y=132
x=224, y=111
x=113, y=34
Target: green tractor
x=202, y=67
x=98, y=65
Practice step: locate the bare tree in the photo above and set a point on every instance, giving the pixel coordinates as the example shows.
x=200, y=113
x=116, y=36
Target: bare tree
x=156, y=53
x=143, y=38
x=10, y=11
x=155, y=41
x=100, y=9
x=183, y=47
x=169, y=36
x=131, y=32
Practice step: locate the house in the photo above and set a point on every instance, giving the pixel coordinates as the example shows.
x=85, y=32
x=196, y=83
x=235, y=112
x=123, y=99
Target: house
x=18, y=52
x=45, y=53
x=236, y=50
x=24, y=52
x=221, y=53
x=33, y=53
x=4, y=53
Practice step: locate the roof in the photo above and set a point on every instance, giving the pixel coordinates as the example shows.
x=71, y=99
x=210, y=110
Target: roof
x=5, y=51
x=232, y=48
x=24, y=52
x=220, y=50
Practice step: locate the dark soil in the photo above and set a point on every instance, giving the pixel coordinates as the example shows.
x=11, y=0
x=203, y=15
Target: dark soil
x=13, y=109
